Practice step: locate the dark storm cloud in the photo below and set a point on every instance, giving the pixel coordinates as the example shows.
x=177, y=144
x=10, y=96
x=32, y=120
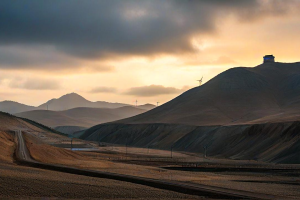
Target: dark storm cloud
x=103, y=90
x=154, y=90
x=95, y=28
x=45, y=58
x=32, y=57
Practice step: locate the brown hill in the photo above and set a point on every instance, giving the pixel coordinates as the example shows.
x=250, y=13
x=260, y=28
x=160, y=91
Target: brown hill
x=275, y=142
x=9, y=124
x=14, y=107
x=69, y=130
x=237, y=96
x=224, y=115
x=74, y=100
x=84, y=117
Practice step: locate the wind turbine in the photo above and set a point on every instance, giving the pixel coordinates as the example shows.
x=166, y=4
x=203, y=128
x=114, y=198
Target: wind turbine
x=200, y=81
x=157, y=103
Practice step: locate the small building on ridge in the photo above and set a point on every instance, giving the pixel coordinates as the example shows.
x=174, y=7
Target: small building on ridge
x=269, y=58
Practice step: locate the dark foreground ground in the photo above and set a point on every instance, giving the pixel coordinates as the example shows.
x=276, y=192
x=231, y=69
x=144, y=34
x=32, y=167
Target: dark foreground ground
x=18, y=182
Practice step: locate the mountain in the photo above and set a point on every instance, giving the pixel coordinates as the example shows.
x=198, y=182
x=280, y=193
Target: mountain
x=242, y=113
x=74, y=100
x=14, y=107
x=82, y=116
x=271, y=142
x=147, y=106
x=69, y=129
x=237, y=96
x=65, y=102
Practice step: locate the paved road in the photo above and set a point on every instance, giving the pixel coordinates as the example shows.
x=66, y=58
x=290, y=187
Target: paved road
x=197, y=189
x=22, y=152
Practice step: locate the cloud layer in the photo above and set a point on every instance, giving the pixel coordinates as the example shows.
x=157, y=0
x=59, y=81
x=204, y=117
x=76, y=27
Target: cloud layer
x=58, y=29
x=97, y=28
x=35, y=84
x=154, y=90
x=103, y=90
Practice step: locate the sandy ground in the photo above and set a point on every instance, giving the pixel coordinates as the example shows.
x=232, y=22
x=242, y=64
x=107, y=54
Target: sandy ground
x=20, y=182
x=275, y=183
x=7, y=147
x=25, y=182
x=278, y=183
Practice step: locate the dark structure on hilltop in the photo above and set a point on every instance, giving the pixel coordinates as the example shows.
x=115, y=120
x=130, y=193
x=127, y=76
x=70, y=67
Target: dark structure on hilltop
x=269, y=58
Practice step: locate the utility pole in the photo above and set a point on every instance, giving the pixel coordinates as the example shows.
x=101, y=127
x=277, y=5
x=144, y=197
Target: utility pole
x=126, y=146
x=205, y=151
x=70, y=136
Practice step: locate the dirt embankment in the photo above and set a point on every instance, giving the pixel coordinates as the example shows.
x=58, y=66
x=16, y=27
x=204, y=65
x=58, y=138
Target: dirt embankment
x=7, y=147
x=274, y=142
x=53, y=155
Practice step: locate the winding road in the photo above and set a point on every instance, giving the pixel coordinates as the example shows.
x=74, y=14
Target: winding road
x=23, y=156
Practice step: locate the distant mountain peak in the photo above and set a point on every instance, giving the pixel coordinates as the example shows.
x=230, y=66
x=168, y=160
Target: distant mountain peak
x=72, y=95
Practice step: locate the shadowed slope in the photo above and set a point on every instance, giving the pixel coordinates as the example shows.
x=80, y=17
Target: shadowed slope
x=74, y=100
x=238, y=95
x=84, y=117
x=223, y=115
x=14, y=107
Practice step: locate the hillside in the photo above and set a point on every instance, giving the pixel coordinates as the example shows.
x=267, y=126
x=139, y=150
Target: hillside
x=9, y=124
x=237, y=96
x=83, y=117
x=242, y=113
x=74, y=100
x=69, y=129
x=274, y=143
x=14, y=107
x=147, y=106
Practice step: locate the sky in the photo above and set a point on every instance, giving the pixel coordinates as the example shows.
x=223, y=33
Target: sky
x=128, y=50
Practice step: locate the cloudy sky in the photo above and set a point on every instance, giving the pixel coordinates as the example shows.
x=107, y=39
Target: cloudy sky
x=123, y=50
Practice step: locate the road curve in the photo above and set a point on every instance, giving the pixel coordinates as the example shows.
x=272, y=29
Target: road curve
x=23, y=156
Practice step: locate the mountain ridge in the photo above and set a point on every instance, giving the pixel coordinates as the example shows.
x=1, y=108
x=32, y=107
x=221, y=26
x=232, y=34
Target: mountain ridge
x=65, y=102
x=80, y=116
x=242, y=113
x=230, y=96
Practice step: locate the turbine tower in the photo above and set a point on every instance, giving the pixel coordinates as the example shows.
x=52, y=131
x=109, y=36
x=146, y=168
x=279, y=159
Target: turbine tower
x=157, y=103
x=200, y=81
x=136, y=101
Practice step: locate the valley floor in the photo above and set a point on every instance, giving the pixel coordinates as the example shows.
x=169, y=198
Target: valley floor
x=19, y=182
x=252, y=176
x=27, y=182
